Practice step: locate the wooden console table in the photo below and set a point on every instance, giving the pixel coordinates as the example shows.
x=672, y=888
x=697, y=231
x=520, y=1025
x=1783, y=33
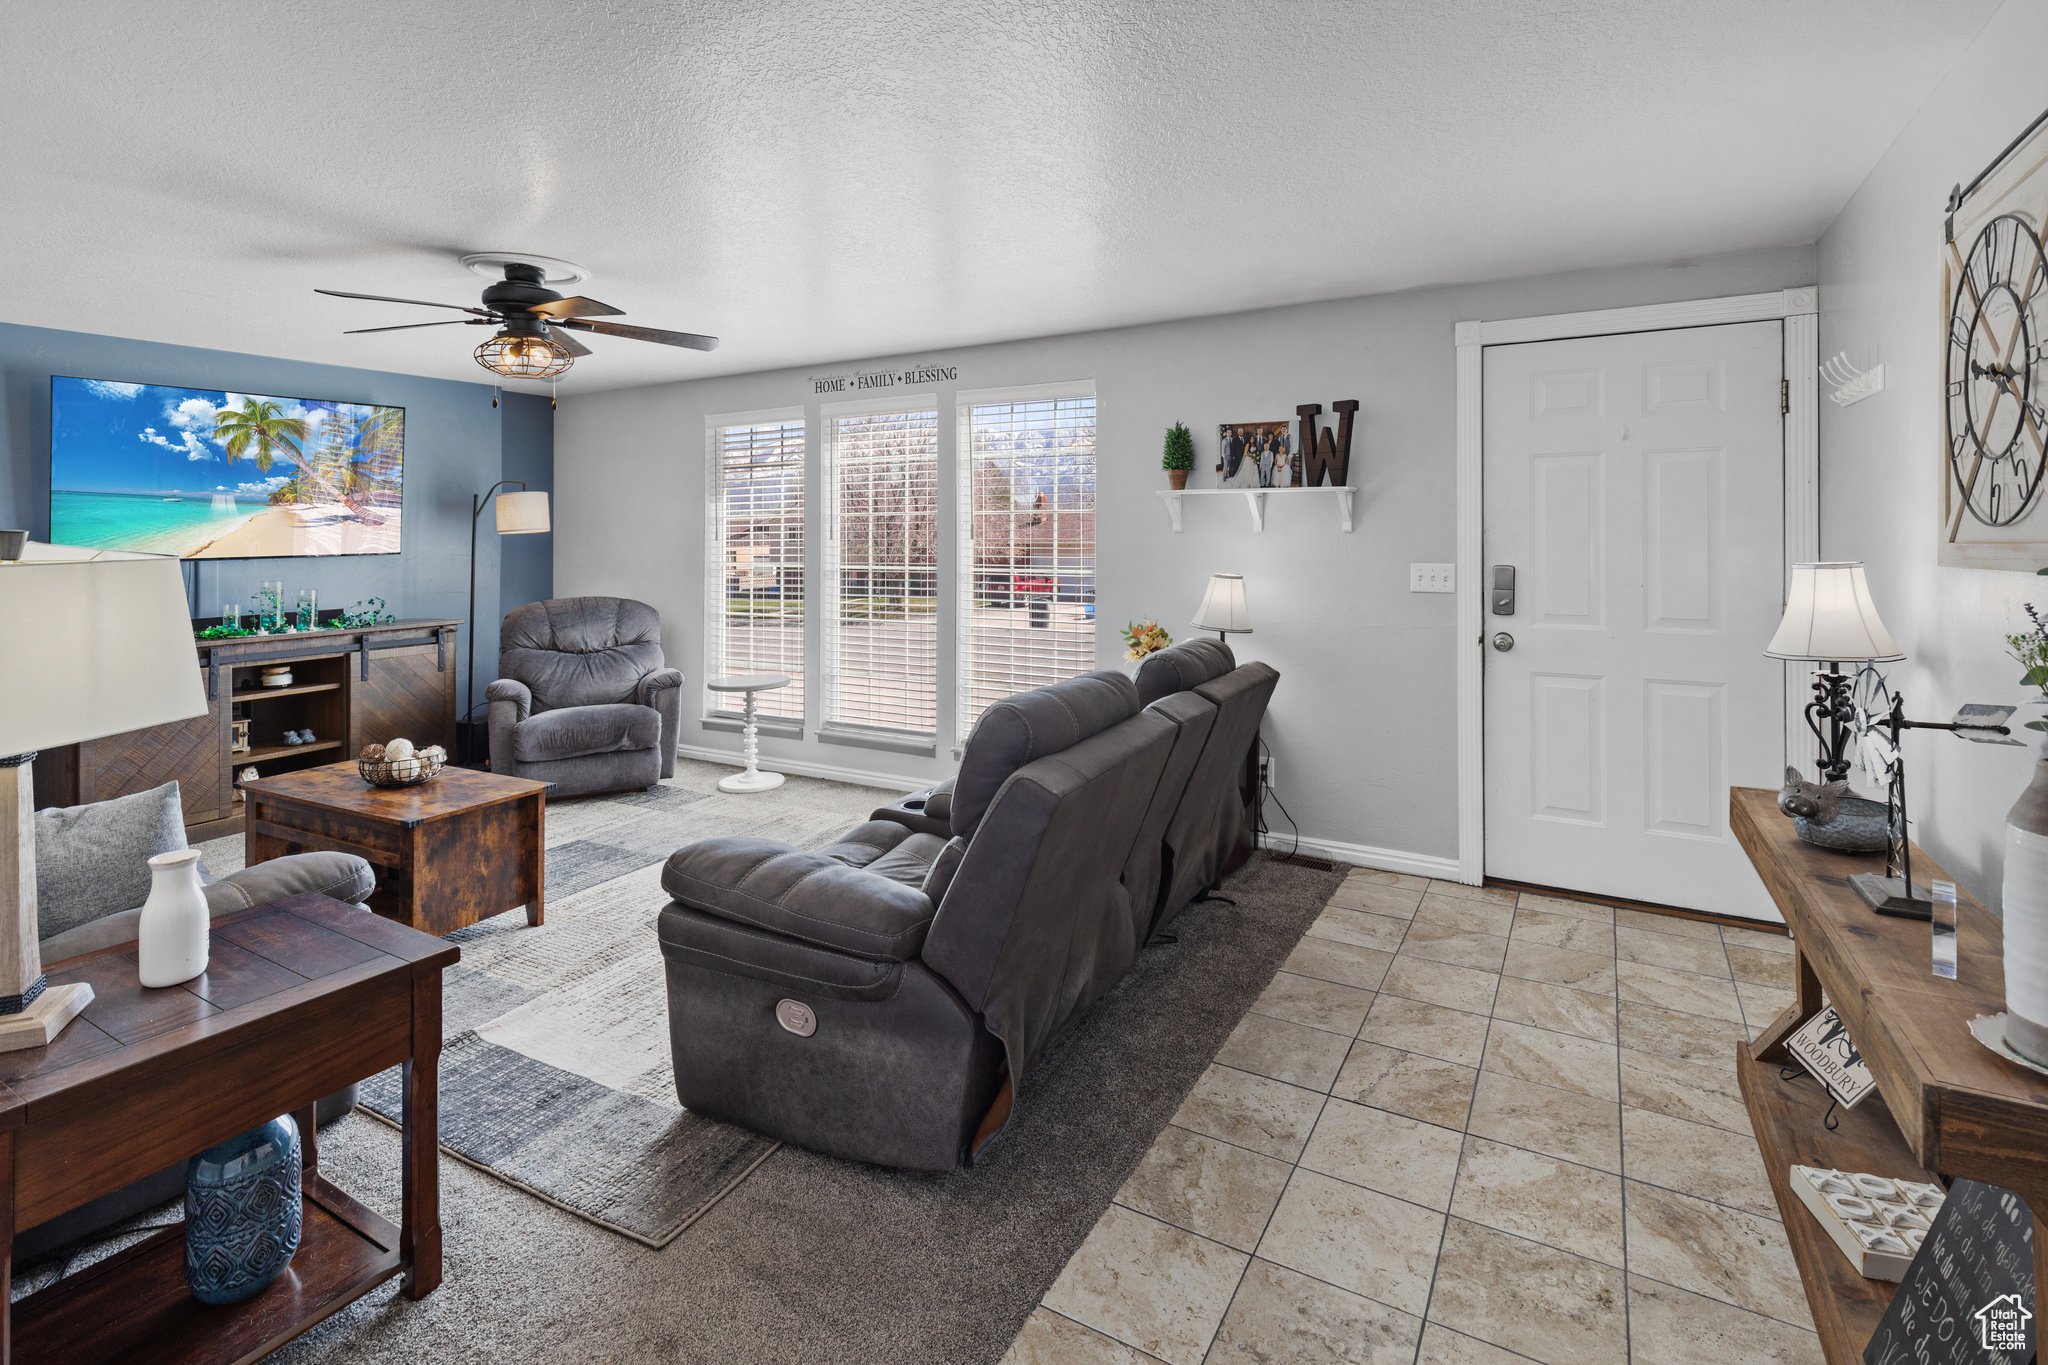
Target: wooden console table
x=351, y=686
x=1945, y=1103
x=301, y=998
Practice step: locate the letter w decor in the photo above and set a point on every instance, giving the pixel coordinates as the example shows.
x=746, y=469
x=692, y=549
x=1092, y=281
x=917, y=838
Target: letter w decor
x=1320, y=453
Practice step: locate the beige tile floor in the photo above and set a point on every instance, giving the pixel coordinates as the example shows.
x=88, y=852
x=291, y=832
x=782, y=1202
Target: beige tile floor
x=1462, y=1126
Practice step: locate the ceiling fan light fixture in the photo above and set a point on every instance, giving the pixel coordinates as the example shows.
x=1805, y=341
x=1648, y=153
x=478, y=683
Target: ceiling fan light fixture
x=524, y=357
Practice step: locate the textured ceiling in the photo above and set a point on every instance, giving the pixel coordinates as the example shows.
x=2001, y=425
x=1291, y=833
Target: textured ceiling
x=826, y=180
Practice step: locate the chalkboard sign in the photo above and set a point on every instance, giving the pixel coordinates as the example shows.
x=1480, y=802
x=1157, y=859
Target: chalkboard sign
x=1968, y=1297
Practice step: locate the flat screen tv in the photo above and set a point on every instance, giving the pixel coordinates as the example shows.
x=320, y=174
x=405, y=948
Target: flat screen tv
x=206, y=474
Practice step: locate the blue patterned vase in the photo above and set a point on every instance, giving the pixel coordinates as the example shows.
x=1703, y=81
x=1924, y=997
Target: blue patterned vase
x=242, y=1212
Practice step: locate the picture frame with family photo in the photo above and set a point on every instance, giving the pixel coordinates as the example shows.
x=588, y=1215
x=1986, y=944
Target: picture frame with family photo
x=1257, y=455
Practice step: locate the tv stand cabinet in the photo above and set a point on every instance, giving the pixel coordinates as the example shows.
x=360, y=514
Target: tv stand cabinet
x=351, y=687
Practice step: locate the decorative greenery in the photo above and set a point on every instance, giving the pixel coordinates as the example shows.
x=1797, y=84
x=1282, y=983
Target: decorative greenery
x=222, y=633
x=1180, y=449
x=1145, y=637
x=371, y=613
x=2030, y=651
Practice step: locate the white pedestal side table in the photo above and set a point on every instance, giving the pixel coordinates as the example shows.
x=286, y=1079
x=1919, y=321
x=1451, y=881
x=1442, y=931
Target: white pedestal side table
x=753, y=779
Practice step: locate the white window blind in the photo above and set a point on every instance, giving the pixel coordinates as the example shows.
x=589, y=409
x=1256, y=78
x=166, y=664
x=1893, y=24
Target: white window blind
x=1027, y=511
x=756, y=617
x=882, y=632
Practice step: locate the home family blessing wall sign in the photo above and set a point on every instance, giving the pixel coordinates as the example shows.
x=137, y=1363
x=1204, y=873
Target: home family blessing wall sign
x=862, y=380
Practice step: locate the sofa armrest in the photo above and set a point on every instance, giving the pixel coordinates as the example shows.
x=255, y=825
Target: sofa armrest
x=511, y=703
x=663, y=690
x=343, y=876
x=928, y=812
x=802, y=895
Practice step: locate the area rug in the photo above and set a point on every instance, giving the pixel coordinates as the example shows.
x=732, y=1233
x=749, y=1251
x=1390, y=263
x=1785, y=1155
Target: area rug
x=555, y=1070
x=818, y=1260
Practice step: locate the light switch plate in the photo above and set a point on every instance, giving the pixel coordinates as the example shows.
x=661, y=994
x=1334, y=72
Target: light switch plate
x=1432, y=578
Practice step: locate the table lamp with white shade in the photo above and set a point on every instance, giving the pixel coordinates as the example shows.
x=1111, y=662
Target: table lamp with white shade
x=1223, y=609
x=1830, y=619
x=113, y=652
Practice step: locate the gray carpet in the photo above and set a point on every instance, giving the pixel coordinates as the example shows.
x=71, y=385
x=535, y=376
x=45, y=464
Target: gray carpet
x=814, y=1259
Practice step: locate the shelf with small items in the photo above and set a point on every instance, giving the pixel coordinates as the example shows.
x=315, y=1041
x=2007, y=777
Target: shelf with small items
x=1255, y=499
x=269, y=693
x=270, y=751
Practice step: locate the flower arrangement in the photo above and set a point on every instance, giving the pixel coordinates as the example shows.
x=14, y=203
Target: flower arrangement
x=2029, y=650
x=1144, y=637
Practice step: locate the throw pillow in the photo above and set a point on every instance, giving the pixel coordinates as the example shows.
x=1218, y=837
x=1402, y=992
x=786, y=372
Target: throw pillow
x=94, y=860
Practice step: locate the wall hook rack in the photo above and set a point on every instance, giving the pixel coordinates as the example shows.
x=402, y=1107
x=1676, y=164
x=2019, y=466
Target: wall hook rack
x=1851, y=384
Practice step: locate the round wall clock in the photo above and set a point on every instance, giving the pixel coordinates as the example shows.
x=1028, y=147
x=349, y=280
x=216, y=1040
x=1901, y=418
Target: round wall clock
x=1997, y=373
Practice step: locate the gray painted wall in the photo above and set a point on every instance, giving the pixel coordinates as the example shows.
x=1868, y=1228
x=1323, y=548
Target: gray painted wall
x=455, y=444
x=1881, y=460
x=1363, y=726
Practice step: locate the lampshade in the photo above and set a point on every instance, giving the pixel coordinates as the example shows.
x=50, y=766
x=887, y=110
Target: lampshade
x=1829, y=617
x=522, y=514
x=100, y=643
x=1223, y=605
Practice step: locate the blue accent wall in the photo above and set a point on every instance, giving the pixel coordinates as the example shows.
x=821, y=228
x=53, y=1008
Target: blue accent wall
x=456, y=445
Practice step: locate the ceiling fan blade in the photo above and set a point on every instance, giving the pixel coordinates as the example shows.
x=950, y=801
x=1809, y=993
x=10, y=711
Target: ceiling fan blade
x=567, y=342
x=577, y=307
x=619, y=329
x=407, y=326
x=386, y=298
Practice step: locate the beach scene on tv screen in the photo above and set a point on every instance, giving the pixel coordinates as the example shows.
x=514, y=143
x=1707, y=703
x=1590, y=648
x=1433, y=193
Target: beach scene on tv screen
x=211, y=474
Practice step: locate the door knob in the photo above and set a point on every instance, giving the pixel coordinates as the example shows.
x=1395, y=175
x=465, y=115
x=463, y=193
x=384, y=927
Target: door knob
x=1503, y=642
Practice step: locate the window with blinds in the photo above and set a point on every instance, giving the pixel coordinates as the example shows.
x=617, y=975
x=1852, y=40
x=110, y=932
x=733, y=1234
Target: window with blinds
x=756, y=624
x=1027, y=572
x=881, y=566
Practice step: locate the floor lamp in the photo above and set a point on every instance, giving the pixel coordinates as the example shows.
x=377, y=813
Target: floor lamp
x=524, y=513
x=1223, y=610
x=113, y=652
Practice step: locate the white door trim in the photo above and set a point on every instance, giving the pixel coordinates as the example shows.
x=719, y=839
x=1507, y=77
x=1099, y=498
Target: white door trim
x=1799, y=308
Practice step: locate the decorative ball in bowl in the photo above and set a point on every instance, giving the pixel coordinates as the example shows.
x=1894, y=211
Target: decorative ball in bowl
x=398, y=764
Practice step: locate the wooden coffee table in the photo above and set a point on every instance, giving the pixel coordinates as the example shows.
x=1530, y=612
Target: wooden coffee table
x=300, y=999
x=448, y=853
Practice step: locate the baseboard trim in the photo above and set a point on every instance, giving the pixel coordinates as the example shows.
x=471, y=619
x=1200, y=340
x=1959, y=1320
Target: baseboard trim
x=1364, y=855
x=859, y=777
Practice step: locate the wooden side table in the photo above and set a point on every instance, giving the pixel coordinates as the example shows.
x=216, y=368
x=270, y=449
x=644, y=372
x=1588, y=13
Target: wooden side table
x=463, y=847
x=300, y=999
x=1945, y=1103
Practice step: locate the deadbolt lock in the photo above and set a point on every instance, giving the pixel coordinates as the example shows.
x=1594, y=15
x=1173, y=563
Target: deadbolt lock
x=1503, y=596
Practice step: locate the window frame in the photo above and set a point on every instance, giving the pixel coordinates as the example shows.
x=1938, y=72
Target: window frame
x=719, y=711
x=826, y=596
x=965, y=401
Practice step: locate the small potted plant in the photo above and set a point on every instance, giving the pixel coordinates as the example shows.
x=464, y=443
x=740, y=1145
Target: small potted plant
x=1180, y=455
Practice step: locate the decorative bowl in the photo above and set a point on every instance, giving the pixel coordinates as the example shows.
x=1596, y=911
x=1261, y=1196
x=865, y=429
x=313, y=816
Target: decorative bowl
x=1859, y=826
x=406, y=772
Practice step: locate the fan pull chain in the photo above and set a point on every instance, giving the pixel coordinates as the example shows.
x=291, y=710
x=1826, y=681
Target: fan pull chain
x=552, y=405
x=494, y=395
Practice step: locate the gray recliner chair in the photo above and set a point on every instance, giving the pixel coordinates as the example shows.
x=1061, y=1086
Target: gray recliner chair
x=884, y=998
x=583, y=700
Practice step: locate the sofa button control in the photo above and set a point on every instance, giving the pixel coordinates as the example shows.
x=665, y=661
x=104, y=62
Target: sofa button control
x=796, y=1017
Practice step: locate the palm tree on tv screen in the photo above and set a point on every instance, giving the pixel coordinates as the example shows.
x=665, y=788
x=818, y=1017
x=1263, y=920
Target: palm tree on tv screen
x=259, y=430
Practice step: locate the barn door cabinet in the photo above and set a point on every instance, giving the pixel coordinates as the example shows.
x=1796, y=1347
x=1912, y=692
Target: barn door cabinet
x=349, y=687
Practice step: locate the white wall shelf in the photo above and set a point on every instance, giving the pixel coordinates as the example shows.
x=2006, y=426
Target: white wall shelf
x=1255, y=498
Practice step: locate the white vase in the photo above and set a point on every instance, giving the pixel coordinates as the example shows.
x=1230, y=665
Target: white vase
x=170, y=940
x=2026, y=918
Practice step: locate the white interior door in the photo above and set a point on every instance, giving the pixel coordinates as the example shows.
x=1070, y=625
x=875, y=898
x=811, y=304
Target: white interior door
x=1635, y=484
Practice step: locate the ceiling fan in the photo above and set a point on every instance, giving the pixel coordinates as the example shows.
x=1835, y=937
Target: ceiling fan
x=534, y=321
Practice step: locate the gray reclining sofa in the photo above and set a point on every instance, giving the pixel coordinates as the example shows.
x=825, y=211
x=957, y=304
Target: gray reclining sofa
x=880, y=999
